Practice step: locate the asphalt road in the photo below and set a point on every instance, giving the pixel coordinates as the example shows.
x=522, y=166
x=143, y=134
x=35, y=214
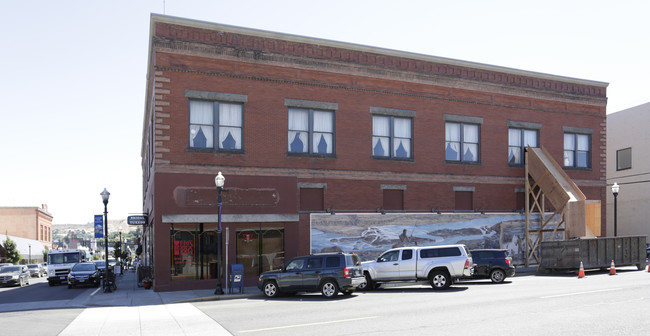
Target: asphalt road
x=530, y=305
x=37, y=290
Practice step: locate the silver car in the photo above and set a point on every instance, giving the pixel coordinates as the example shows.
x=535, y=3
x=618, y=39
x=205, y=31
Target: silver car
x=37, y=270
x=14, y=275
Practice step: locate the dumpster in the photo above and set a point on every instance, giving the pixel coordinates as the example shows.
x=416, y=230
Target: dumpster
x=593, y=253
x=236, y=277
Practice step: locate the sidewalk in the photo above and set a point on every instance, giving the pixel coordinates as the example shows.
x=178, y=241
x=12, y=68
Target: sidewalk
x=129, y=294
x=133, y=310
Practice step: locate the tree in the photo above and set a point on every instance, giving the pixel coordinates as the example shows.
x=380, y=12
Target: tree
x=45, y=250
x=13, y=256
x=118, y=252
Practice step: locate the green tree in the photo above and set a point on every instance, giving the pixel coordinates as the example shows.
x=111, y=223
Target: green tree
x=45, y=250
x=13, y=256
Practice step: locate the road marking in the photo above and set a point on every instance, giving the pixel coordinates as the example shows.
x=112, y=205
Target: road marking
x=95, y=291
x=308, y=324
x=580, y=293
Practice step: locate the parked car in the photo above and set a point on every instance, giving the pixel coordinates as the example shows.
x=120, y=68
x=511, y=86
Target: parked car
x=14, y=275
x=101, y=266
x=328, y=273
x=493, y=264
x=6, y=264
x=85, y=273
x=440, y=266
x=37, y=270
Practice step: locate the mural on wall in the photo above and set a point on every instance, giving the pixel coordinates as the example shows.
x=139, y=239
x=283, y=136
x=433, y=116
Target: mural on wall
x=368, y=235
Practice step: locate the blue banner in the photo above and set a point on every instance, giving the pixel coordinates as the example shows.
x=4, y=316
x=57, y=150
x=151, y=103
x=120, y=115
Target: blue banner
x=99, y=226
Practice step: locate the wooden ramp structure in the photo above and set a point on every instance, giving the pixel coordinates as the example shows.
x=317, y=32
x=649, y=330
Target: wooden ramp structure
x=574, y=215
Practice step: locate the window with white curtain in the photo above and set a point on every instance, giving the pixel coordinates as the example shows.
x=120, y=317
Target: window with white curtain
x=392, y=137
x=518, y=140
x=577, y=151
x=311, y=131
x=462, y=142
x=213, y=121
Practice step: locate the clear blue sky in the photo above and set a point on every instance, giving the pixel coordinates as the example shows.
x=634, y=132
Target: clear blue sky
x=72, y=73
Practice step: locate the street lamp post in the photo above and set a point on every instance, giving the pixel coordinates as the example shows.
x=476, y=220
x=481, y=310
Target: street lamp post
x=105, y=194
x=30, y=253
x=219, y=181
x=615, y=189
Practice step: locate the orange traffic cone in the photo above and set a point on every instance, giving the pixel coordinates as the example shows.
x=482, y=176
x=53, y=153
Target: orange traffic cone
x=581, y=272
x=612, y=268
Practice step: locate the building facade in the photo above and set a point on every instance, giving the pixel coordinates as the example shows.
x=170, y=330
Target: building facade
x=33, y=223
x=301, y=126
x=628, y=166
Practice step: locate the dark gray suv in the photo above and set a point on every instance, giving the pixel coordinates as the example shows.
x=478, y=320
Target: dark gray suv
x=327, y=273
x=493, y=264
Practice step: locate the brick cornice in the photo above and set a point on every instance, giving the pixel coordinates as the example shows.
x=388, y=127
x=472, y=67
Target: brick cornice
x=177, y=33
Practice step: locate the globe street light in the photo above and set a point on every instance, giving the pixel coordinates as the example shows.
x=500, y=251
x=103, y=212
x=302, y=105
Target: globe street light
x=105, y=194
x=615, y=188
x=219, y=181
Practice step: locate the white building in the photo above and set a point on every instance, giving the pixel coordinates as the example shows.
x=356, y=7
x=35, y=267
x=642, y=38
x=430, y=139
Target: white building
x=628, y=164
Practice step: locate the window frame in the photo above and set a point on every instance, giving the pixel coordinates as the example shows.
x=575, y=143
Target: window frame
x=522, y=127
x=575, y=134
x=216, y=98
x=392, y=137
x=462, y=142
x=311, y=108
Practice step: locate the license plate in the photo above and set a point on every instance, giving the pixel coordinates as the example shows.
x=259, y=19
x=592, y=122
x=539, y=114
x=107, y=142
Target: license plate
x=62, y=278
x=82, y=280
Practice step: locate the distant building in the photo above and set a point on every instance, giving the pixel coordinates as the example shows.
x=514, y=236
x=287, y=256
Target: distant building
x=33, y=223
x=628, y=164
x=304, y=127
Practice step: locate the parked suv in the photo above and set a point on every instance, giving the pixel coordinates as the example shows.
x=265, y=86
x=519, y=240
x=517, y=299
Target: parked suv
x=440, y=266
x=493, y=264
x=328, y=273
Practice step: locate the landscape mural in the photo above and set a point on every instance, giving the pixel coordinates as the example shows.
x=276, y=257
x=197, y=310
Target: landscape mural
x=368, y=235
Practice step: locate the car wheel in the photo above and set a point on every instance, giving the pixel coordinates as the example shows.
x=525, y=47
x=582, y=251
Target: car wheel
x=51, y=283
x=439, y=280
x=368, y=285
x=497, y=275
x=271, y=289
x=329, y=288
x=69, y=286
x=347, y=292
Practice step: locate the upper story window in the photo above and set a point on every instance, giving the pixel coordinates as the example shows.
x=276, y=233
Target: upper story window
x=577, y=149
x=520, y=136
x=462, y=139
x=392, y=133
x=311, y=127
x=216, y=120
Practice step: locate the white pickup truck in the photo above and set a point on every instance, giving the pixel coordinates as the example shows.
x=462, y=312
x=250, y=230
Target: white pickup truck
x=439, y=265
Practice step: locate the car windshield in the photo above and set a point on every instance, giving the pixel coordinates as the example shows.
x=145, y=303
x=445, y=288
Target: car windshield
x=32, y=266
x=100, y=263
x=83, y=267
x=11, y=269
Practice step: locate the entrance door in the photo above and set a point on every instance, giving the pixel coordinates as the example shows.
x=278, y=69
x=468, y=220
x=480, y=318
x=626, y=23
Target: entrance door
x=260, y=250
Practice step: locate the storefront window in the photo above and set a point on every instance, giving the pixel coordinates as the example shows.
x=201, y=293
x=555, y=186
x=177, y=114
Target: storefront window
x=260, y=255
x=193, y=249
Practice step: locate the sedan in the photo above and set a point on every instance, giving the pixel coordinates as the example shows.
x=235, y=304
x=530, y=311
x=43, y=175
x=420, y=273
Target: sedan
x=101, y=266
x=85, y=273
x=14, y=275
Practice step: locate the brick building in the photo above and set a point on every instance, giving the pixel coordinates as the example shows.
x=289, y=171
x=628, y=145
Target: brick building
x=34, y=223
x=302, y=126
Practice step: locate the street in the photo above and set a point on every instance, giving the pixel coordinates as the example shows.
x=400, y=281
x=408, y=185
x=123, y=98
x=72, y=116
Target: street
x=532, y=304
